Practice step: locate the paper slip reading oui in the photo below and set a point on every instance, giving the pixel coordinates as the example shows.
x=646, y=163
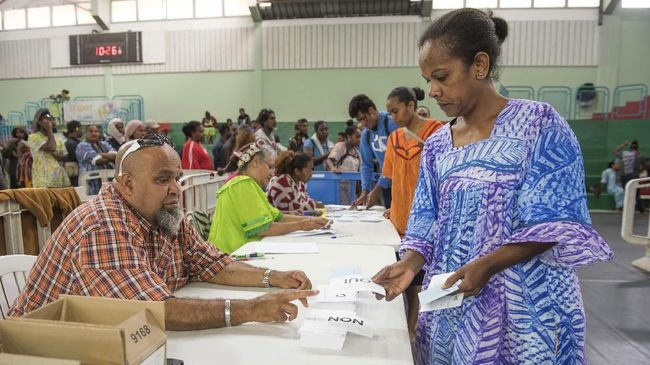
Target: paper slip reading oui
x=355, y=283
x=285, y=247
x=328, y=328
x=436, y=298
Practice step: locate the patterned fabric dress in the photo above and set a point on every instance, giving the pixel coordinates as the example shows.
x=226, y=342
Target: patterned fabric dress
x=525, y=183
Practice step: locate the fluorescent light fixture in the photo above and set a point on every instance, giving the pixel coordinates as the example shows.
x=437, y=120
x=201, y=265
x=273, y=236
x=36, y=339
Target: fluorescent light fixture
x=584, y=3
x=481, y=4
x=264, y=5
x=549, y=3
x=635, y=4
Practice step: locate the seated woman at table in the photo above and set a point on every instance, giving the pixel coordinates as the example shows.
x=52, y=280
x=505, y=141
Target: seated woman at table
x=287, y=190
x=243, y=212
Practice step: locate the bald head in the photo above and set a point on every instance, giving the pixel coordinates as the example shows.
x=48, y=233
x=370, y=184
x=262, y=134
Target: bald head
x=149, y=179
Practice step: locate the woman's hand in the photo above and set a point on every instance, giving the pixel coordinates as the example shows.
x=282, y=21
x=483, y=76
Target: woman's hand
x=474, y=276
x=387, y=213
x=313, y=223
x=395, y=278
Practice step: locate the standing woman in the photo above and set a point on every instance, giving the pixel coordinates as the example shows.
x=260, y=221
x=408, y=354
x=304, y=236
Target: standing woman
x=266, y=118
x=48, y=153
x=135, y=129
x=501, y=203
x=195, y=156
x=13, y=151
x=345, y=157
x=94, y=154
x=402, y=161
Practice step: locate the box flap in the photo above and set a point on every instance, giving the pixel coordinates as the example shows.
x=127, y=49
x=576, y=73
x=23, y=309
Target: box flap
x=84, y=342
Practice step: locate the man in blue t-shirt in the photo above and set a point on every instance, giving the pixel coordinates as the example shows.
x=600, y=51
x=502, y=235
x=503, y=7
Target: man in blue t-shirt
x=378, y=126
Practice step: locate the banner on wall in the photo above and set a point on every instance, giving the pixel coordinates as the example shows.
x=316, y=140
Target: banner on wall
x=89, y=111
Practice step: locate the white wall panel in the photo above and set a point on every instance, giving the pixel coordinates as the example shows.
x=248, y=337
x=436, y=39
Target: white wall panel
x=552, y=43
x=306, y=46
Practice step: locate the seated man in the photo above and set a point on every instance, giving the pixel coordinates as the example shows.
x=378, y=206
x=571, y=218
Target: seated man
x=132, y=242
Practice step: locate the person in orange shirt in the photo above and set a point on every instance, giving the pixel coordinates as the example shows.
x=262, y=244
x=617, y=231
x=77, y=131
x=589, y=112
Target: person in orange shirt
x=402, y=166
x=402, y=161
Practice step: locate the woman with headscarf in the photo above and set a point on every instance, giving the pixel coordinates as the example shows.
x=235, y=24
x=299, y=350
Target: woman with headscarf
x=135, y=129
x=116, y=133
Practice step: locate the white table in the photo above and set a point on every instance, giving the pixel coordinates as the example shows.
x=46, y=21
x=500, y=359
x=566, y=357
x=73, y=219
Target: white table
x=255, y=343
x=381, y=233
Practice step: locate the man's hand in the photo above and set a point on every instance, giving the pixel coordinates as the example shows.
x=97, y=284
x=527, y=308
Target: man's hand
x=361, y=200
x=474, y=276
x=295, y=279
x=373, y=197
x=277, y=307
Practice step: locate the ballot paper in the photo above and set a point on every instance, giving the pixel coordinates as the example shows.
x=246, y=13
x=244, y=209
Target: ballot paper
x=285, y=247
x=436, y=298
x=356, y=283
x=331, y=294
x=321, y=340
x=336, y=322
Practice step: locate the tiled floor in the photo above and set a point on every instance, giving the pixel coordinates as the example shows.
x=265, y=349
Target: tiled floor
x=617, y=299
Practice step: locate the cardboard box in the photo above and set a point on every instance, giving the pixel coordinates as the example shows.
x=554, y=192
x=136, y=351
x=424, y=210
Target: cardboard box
x=92, y=330
x=13, y=359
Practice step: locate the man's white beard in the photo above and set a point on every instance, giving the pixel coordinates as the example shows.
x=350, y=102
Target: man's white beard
x=169, y=220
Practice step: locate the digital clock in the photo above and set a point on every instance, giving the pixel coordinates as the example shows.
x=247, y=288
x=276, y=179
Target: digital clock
x=103, y=48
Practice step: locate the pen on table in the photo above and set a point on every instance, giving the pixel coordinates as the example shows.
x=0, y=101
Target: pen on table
x=253, y=255
x=341, y=235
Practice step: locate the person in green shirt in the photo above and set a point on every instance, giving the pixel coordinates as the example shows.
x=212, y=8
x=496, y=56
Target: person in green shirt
x=243, y=212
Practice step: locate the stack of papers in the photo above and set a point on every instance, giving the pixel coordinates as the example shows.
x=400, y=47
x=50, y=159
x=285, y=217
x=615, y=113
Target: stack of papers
x=314, y=232
x=436, y=298
x=345, y=289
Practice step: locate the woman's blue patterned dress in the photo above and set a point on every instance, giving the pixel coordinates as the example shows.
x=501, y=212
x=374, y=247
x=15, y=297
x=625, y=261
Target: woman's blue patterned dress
x=525, y=183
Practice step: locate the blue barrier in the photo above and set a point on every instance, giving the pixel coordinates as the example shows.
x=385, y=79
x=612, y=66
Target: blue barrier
x=15, y=118
x=324, y=186
x=518, y=92
x=135, y=106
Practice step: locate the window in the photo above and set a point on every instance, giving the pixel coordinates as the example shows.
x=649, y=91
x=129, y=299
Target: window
x=550, y=3
x=584, y=3
x=180, y=9
x=635, y=4
x=208, y=8
x=151, y=10
x=83, y=14
x=447, y=4
x=481, y=4
x=38, y=17
x=236, y=8
x=515, y=3
x=123, y=11
x=63, y=15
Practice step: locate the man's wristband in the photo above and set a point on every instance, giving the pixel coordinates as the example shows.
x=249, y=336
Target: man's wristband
x=226, y=312
x=265, y=278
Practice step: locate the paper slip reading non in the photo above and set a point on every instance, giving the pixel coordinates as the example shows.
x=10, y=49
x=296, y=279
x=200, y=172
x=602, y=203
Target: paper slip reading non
x=333, y=321
x=315, y=232
x=286, y=247
x=435, y=297
x=355, y=283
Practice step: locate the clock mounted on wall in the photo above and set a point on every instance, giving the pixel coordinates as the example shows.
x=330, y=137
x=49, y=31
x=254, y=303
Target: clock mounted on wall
x=104, y=48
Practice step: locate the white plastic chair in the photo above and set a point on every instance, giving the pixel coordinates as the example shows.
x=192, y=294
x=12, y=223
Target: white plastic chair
x=627, y=224
x=14, y=270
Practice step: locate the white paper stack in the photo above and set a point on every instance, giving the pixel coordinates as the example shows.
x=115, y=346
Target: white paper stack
x=436, y=298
